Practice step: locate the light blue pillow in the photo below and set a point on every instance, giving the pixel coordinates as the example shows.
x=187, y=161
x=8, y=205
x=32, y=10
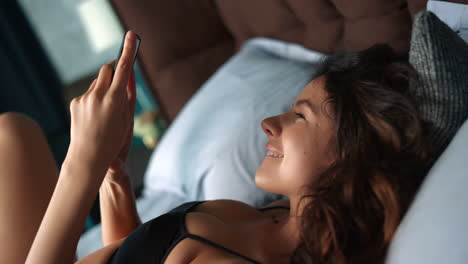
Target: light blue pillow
x=435, y=228
x=215, y=145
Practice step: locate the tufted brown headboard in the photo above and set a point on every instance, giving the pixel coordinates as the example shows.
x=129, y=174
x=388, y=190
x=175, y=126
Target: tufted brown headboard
x=185, y=41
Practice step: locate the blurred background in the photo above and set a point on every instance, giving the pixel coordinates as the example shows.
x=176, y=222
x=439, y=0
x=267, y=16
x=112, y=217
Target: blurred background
x=51, y=50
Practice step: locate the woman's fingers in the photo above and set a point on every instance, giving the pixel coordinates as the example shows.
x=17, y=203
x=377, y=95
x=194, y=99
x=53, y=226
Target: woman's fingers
x=104, y=79
x=131, y=92
x=91, y=87
x=112, y=63
x=125, y=63
x=128, y=143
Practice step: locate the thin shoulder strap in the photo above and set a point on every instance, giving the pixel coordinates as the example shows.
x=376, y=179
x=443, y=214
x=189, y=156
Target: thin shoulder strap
x=204, y=240
x=185, y=232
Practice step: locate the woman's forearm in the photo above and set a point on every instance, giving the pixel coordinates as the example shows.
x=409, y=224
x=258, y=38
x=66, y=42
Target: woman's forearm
x=63, y=222
x=119, y=216
x=100, y=119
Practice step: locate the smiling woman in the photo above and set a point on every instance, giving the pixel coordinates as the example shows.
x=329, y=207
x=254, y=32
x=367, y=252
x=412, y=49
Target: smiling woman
x=302, y=136
x=358, y=166
x=347, y=183
x=349, y=170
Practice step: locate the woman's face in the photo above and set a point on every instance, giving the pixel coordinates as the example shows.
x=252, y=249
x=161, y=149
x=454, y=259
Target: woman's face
x=299, y=138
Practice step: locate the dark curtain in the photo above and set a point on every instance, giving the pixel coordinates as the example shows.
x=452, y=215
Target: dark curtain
x=29, y=84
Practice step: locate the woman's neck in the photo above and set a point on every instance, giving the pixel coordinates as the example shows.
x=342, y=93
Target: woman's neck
x=289, y=225
x=281, y=237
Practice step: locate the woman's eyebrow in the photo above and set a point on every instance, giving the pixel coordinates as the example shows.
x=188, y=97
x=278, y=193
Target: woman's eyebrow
x=307, y=103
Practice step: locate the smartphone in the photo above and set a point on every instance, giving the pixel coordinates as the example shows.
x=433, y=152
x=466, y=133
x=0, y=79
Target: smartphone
x=138, y=40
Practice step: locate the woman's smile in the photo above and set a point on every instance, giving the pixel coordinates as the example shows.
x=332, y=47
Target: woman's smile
x=273, y=154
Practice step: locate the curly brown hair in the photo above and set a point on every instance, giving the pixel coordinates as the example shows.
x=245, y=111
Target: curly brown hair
x=354, y=207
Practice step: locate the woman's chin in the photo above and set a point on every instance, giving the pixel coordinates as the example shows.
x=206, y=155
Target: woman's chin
x=263, y=178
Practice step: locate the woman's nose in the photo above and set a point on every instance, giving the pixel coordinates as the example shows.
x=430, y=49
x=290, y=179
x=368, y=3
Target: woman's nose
x=270, y=127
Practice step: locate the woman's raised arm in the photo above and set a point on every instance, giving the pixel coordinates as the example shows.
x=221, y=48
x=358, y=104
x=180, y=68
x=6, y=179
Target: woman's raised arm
x=101, y=119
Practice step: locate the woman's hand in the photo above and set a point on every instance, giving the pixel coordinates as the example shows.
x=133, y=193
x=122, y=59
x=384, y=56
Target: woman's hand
x=102, y=118
x=100, y=123
x=116, y=172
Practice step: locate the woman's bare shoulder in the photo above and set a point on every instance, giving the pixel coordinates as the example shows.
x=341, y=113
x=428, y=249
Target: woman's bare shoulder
x=233, y=208
x=282, y=202
x=223, y=205
x=234, y=204
x=230, y=211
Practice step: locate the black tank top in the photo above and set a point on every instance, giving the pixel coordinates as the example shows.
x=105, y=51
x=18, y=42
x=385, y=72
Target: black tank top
x=152, y=241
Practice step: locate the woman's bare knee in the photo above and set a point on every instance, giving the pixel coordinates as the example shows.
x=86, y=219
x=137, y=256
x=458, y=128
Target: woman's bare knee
x=23, y=142
x=15, y=126
x=27, y=180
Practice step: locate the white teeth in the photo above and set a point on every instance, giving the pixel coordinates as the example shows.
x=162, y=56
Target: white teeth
x=276, y=155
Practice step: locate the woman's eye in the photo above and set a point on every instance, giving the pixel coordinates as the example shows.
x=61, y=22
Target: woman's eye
x=299, y=115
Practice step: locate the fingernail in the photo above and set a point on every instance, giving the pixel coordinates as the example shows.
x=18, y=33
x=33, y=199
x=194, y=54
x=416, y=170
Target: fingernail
x=131, y=35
